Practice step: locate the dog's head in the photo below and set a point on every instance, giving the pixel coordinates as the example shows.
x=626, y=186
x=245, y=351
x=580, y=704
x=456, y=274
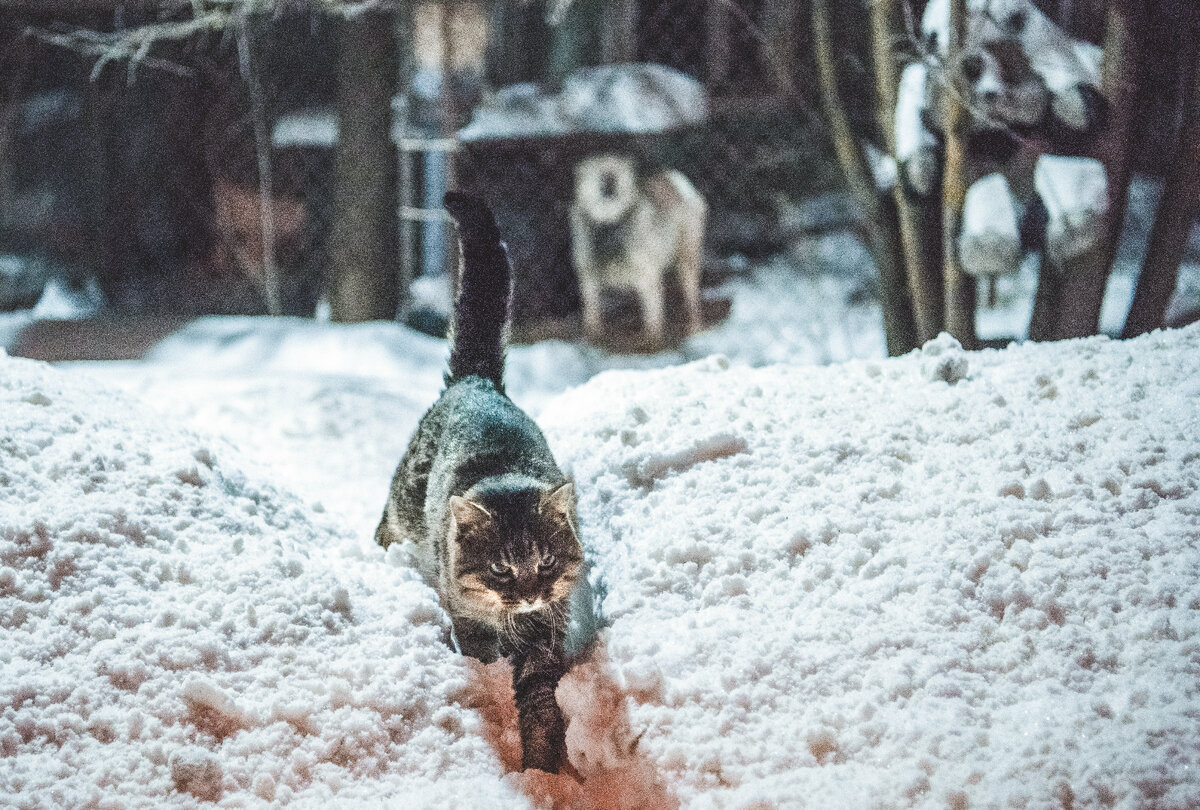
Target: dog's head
x=1000, y=83
x=1015, y=62
x=606, y=186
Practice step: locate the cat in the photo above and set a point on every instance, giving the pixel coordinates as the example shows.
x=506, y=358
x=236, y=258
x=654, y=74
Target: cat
x=489, y=513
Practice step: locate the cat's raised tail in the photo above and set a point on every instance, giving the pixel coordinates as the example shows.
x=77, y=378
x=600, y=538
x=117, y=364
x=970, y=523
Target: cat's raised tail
x=479, y=328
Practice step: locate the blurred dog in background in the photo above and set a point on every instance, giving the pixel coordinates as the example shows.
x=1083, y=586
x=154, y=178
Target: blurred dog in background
x=628, y=232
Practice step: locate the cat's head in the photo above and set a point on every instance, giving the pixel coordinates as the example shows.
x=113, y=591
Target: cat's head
x=514, y=549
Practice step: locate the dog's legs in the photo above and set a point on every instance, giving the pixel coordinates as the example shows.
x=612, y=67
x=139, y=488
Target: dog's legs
x=588, y=274
x=650, y=295
x=688, y=267
x=589, y=295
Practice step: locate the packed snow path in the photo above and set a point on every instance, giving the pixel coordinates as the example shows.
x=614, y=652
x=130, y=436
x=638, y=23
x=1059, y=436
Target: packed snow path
x=947, y=580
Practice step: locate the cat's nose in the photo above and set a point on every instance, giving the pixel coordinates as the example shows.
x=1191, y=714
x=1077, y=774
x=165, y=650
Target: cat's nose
x=529, y=605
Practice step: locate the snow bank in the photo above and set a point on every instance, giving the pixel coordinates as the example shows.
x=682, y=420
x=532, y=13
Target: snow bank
x=949, y=580
x=172, y=630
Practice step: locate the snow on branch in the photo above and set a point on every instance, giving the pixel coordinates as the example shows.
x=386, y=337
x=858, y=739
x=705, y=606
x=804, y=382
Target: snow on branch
x=182, y=20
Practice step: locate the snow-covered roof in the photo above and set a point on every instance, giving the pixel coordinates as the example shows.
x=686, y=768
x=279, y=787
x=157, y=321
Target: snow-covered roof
x=625, y=98
x=622, y=98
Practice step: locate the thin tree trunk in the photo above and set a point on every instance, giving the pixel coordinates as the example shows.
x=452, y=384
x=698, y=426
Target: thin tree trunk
x=451, y=119
x=406, y=269
x=716, y=44
x=922, y=302
x=262, y=155
x=1081, y=293
x=98, y=121
x=1045, y=303
x=364, y=283
x=1177, y=211
x=900, y=329
x=883, y=226
x=959, y=288
x=779, y=20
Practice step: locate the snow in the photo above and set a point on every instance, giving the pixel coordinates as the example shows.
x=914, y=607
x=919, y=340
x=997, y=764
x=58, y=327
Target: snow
x=631, y=97
x=176, y=629
x=952, y=579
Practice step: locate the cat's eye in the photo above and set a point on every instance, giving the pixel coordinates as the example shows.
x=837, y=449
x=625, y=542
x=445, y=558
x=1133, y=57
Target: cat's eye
x=548, y=561
x=500, y=569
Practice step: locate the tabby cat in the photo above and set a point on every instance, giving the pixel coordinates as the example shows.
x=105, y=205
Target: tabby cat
x=491, y=516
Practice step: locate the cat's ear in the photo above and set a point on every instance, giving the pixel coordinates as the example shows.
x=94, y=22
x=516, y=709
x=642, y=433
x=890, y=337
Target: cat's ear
x=468, y=515
x=560, y=500
x=559, y=504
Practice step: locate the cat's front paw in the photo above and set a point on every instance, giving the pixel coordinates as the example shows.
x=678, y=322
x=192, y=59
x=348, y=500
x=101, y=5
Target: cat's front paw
x=551, y=760
x=543, y=737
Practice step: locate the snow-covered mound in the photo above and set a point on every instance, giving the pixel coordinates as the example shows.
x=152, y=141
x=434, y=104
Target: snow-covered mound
x=948, y=580
x=171, y=630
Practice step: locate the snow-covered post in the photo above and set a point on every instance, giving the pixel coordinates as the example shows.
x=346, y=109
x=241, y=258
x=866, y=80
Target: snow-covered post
x=1177, y=210
x=883, y=227
x=1081, y=293
x=364, y=285
x=958, y=287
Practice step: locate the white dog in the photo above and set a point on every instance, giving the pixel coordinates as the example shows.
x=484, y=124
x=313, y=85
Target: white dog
x=627, y=232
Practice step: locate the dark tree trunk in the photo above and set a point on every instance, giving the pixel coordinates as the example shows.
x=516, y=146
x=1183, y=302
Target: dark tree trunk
x=365, y=284
x=921, y=283
x=1177, y=211
x=959, y=288
x=1081, y=293
x=882, y=221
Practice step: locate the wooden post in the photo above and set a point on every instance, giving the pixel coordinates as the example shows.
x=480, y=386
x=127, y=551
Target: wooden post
x=958, y=287
x=883, y=227
x=918, y=235
x=618, y=41
x=364, y=284
x=1177, y=211
x=1081, y=294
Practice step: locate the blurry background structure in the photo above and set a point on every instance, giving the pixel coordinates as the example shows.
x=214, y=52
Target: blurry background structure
x=170, y=159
